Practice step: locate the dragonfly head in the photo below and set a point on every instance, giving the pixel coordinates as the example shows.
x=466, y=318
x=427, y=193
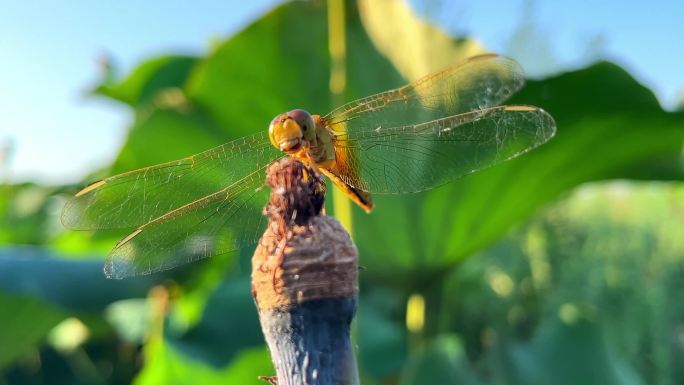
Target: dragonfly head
x=290, y=131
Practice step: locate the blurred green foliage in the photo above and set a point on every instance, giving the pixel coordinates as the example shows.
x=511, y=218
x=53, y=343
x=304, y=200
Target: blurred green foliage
x=528, y=278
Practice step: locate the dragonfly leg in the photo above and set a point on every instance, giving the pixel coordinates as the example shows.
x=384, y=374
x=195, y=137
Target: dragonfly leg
x=273, y=380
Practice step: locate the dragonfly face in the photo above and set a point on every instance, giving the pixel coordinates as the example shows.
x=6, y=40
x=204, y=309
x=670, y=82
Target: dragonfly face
x=308, y=139
x=290, y=131
x=427, y=133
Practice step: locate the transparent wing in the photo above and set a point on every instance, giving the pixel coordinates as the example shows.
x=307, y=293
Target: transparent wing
x=184, y=210
x=137, y=197
x=218, y=223
x=437, y=128
x=417, y=157
x=478, y=83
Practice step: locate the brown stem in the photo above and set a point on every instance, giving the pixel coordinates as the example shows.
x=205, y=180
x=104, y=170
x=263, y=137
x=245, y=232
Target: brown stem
x=305, y=282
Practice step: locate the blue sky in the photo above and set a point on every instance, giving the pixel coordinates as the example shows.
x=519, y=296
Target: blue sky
x=48, y=57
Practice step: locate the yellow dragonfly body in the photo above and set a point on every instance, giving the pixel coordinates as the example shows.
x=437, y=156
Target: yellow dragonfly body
x=310, y=140
x=430, y=132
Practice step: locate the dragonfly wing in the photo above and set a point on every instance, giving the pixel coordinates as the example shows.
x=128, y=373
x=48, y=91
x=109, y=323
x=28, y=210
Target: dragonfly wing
x=417, y=157
x=218, y=223
x=478, y=83
x=137, y=197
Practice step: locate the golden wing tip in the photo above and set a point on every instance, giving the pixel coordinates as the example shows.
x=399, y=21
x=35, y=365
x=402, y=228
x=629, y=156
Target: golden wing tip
x=90, y=187
x=522, y=107
x=128, y=238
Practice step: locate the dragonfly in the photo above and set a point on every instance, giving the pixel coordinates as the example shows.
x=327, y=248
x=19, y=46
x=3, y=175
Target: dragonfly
x=429, y=132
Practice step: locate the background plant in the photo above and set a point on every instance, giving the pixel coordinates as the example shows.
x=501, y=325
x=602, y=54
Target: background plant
x=541, y=270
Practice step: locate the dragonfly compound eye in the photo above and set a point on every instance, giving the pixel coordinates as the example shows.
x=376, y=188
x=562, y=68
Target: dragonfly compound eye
x=302, y=118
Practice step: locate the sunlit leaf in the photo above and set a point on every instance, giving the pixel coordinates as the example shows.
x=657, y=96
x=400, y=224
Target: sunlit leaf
x=424, y=47
x=598, y=138
x=149, y=78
